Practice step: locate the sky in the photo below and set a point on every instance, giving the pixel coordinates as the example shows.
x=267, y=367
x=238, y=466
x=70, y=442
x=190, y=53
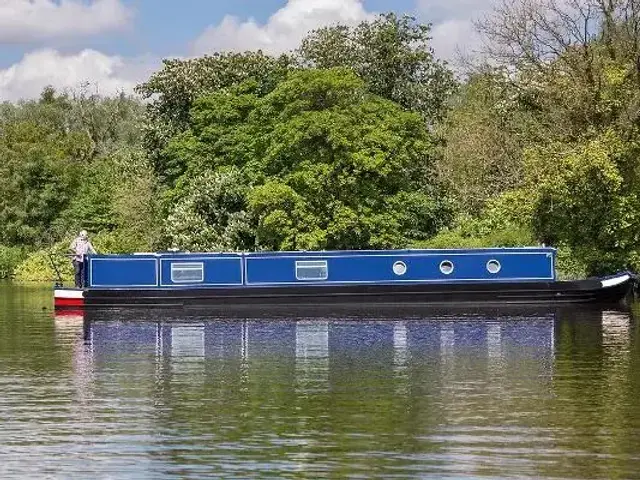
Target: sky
x=109, y=46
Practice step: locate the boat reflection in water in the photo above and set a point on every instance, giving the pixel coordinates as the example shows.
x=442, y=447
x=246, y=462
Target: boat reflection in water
x=495, y=335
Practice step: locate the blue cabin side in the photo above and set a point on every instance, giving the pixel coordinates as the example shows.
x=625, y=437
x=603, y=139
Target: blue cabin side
x=165, y=271
x=217, y=270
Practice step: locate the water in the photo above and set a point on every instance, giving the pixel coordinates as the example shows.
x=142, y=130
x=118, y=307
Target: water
x=165, y=395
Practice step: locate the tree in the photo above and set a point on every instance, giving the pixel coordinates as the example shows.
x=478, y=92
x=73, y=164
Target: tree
x=485, y=133
x=580, y=199
x=66, y=162
x=392, y=55
x=575, y=63
x=329, y=165
x=211, y=213
x=38, y=177
x=173, y=90
x=118, y=197
x=555, y=128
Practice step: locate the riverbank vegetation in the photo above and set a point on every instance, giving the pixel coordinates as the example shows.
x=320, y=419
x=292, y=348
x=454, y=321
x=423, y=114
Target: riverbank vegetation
x=360, y=138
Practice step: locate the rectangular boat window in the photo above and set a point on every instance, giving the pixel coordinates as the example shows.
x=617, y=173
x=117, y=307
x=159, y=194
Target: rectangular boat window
x=187, y=272
x=312, y=270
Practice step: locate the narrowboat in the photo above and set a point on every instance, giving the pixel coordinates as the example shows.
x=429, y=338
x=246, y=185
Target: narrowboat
x=262, y=280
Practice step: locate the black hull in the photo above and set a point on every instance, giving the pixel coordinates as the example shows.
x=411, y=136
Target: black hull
x=357, y=296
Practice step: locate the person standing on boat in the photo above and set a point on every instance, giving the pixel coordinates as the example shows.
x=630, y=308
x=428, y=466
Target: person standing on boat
x=80, y=247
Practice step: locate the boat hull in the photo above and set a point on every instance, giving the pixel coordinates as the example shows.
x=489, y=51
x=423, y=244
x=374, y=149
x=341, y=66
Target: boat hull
x=610, y=290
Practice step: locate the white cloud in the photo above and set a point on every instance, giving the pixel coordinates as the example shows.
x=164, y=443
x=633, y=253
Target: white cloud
x=24, y=21
x=283, y=31
x=453, y=30
x=453, y=38
x=104, y=74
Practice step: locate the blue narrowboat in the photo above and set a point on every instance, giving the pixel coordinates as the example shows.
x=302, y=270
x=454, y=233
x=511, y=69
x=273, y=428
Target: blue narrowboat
x=393, y=277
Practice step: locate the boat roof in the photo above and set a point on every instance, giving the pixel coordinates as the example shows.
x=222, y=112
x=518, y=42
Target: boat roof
x=353, y=252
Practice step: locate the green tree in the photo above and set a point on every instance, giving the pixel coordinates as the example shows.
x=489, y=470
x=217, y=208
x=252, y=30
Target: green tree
x=581, y=199
x=38, y=178
x=485, y=132
x=551, y=131
x=173, y=90
x=329, y=164
x=211, y=213
x=392, y=55
x=71, y=161
x=118, y=197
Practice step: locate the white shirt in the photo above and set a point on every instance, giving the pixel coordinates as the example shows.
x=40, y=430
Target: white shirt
x=81, y=247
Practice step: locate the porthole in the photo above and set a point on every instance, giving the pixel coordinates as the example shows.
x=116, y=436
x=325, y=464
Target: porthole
x=493, y=266
x=399, y=268
x=446, y=267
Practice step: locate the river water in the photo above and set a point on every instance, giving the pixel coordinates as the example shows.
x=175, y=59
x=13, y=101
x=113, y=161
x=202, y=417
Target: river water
x=165, y=395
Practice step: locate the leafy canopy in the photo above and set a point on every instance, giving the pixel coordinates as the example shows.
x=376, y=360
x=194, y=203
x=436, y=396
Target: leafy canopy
x=328, y=164
x=390, y=53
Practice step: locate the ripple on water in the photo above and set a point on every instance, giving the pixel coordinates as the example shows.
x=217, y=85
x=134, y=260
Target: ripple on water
x=549, y=395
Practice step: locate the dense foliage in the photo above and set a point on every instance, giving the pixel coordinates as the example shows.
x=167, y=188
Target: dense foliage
x=173, y=90
x=330, y=146
x=359, y=138
x=69, y=162
x=392, y=55
x=320, y=163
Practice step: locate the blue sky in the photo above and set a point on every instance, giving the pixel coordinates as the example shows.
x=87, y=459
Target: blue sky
x=114, y=44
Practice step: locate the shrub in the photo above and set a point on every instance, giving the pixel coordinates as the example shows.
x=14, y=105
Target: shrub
x=38, y=266
x=10, y=258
